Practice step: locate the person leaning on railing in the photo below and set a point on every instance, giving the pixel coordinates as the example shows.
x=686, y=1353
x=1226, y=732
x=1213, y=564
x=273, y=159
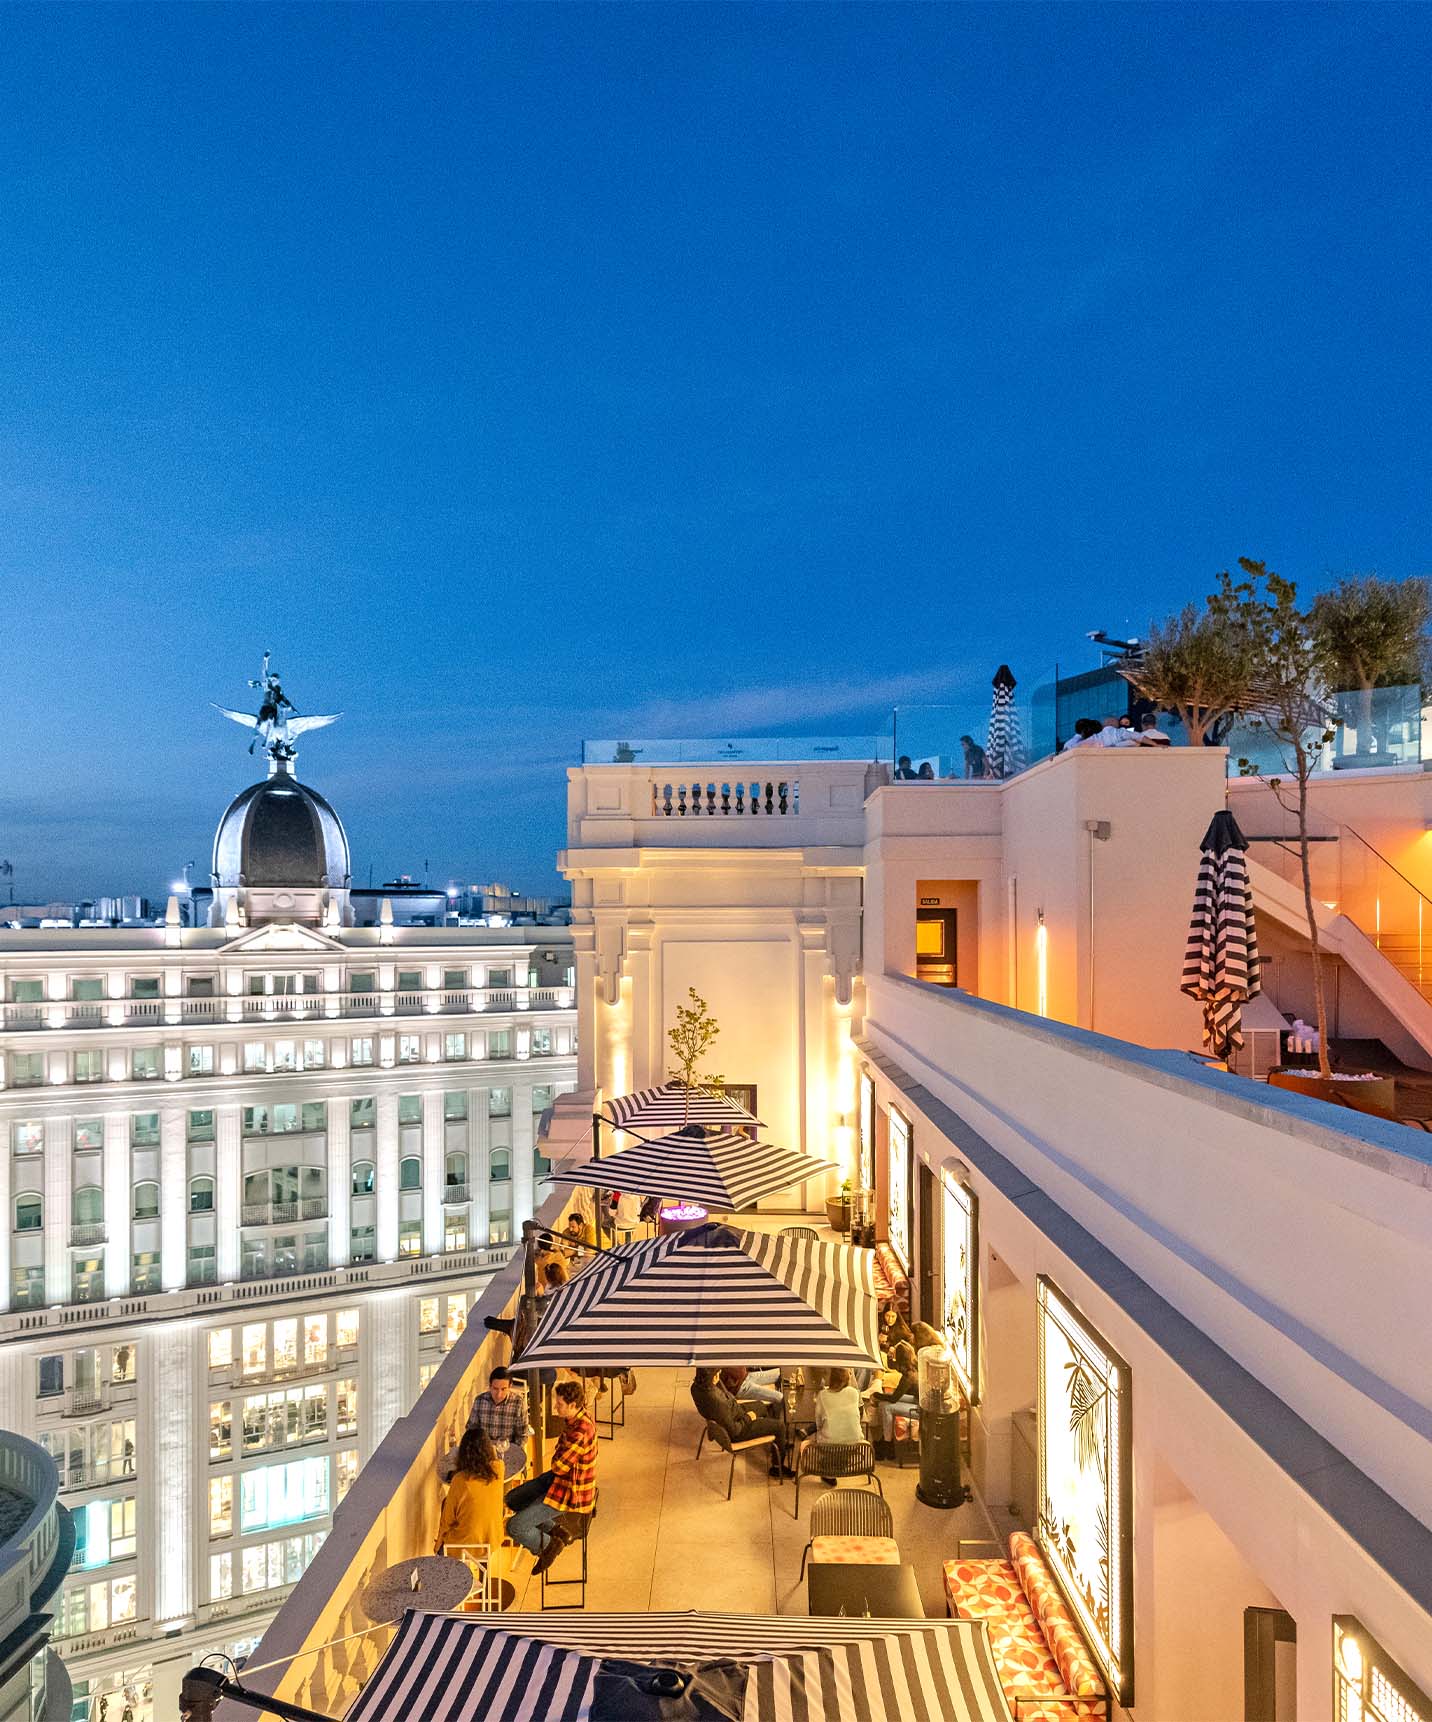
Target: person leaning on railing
x=569, y=1487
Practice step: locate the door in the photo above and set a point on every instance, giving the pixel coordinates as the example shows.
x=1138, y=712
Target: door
x=936, y=931
x=929, y=1201
x=1270, y=1655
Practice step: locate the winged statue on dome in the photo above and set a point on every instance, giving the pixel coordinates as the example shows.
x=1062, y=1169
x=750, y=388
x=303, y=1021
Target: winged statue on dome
x=277, y=724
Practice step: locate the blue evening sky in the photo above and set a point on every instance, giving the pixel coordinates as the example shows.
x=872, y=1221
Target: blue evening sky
x=520, y=373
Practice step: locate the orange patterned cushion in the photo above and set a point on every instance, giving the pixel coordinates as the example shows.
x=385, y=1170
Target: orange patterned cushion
x=1076, y=1667
x=990, y=1591
x=856, y=1551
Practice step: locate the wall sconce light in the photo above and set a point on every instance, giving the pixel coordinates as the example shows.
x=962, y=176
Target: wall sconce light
x=1041, y=966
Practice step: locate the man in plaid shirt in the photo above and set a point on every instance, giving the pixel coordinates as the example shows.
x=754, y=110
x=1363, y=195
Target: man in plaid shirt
x=569, y=1487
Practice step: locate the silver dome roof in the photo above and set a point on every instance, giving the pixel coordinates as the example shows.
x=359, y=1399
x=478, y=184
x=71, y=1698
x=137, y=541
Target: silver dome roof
x=280, y=833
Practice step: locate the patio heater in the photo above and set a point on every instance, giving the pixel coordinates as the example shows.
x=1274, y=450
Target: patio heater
x=939, y=1484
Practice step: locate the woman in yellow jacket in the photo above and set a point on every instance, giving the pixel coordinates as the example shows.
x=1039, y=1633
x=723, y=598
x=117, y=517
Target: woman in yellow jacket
x=473, y=1509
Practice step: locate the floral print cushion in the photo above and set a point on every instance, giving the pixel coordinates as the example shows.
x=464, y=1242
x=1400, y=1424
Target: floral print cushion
x=856, y=1551
x=990, y=1591
x=1071, y=1656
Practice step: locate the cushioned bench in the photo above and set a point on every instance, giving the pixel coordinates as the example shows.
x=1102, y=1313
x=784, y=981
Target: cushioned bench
x=892, y=1283
x=1044, y=1666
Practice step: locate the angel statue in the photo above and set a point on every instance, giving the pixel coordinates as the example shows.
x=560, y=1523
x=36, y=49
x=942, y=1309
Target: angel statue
x=278, y=724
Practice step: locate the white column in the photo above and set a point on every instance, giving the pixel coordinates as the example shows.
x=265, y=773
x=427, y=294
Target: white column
x=57, y=1209
x=587, y=1005
x=522, y=1139
x=384, y=1348
x=340, y=1176
x=17, y=1386
x=118, y=1203
x=434, y=1167
x=228, y=1189
x=166, y=1404
x=479, y=1141
x=385, y=1176
x=173, y=1199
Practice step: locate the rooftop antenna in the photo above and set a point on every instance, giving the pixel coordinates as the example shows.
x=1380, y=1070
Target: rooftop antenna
x=277, y=723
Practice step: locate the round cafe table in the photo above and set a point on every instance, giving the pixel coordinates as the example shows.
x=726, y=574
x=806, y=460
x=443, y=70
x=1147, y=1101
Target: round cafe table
x=436, y=1582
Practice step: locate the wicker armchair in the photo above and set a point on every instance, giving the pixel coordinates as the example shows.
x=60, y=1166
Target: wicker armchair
x=850, y=1513
x=836, y=1459
x=799, y=1232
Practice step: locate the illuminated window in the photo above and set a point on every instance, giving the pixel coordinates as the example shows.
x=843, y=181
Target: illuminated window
x=315, y=1338
x=221, y=1577
x=221, y=1429
x=410, y=1238
x=456, y=1320
x=426, y=1371
x=283, y=1494
x=346, y=1398
x=428, y=1314
x=346, y=1472
x=347, y=1328
x=285, y=1344
x=221, y=1506
x=455, y=1232
x=285, y=1055
x=254, y=1346
x=124, y=1364
x=1368, y=1685
x=221, y=1348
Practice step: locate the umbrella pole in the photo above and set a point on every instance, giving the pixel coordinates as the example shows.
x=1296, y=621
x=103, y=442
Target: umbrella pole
x=535, y=1398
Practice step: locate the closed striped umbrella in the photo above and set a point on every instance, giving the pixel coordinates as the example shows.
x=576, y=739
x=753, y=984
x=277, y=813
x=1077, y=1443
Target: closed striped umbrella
x=710, y=1297
x=1220, y=965
x=725, y=1171
x=672, y=1106
x=1004, y=745
x=511, y=1667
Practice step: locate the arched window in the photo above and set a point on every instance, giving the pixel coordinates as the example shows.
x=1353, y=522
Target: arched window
x=29, y=1212
x=410, y=1173
x=362, y=1177
x=87, y=1205
x=201, y=1195
x=500, y=1165
x=146, y=1201
x=456, y=1172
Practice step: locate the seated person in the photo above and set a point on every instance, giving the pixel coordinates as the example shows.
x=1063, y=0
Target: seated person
x=501, y=1415
x=472, y=1507
x=717, y=1404
x=576, y=1235
x=552, y=1275
x=761, y=1385
x=570, y=1486
x=838, y=1415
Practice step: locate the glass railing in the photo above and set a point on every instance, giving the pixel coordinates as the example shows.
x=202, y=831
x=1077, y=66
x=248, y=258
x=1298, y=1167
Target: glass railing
x=712, y=750
x=975, y=737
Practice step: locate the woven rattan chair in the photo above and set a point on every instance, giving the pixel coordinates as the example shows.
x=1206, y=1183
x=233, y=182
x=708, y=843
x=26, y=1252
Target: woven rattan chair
x=849, y=1513
x=716, y=1433
x=836, y=1459
x=799, y=1232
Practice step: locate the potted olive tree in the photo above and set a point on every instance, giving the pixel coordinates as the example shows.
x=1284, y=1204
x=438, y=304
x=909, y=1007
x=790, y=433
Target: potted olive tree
x=691, y=1040
x=1196, y=666
x=1373, y=634
x=837, y=1209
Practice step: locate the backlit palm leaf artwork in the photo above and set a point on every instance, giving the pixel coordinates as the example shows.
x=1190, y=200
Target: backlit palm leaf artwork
x=1086, y=1417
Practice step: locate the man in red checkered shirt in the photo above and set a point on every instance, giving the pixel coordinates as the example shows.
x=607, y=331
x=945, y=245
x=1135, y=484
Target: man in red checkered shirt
x=569, y=1487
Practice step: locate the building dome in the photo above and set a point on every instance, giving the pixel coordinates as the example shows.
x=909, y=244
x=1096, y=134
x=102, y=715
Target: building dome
x=280, y=835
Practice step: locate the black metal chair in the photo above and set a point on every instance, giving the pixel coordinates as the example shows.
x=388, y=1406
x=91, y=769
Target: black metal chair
x=727, y=1445
x=849, y=1513
x=836, y=1459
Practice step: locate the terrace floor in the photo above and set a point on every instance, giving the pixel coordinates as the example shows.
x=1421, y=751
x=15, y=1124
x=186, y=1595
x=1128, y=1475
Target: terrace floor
x=665, y=1537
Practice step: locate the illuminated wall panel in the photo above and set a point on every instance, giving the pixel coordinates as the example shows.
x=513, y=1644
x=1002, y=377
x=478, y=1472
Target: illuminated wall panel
x=897, y=1222
x=960, y=1280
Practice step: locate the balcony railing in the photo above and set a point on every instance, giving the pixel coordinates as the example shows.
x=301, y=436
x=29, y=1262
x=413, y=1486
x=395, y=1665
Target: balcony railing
x=456, y=1193
x=254, y=1214
x=91, y=1233
x=285, y=1007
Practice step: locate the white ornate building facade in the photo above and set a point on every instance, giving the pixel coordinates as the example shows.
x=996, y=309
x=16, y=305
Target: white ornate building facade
x=254, y=1175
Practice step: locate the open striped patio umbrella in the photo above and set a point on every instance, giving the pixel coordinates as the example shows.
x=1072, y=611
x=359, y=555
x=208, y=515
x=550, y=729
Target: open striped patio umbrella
x=724, y=1172
x=1220, y=965
x=710, y=1297
x=670, y=1107
x=787, y=1668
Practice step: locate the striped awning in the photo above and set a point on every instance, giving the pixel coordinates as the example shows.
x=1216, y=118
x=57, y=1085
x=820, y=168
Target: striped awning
x=512, y=1667
x=710, y=1297
x=1220, y=965
x=723, y=1172
x=671, y=1106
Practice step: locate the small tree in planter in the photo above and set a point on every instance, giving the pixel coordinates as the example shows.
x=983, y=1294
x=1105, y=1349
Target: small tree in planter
x=1196, y=666
x=1289, y=666
x=696, y=1029
x=1373, y=634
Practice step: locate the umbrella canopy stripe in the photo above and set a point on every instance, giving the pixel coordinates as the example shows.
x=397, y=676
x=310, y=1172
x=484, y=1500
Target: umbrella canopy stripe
x=672, y=1106
x=713, y=1296
x=1221, y=965
x=456, y=1668
x=724, y=1172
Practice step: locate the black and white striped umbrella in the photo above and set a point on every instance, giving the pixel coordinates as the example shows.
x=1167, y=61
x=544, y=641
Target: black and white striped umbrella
x=672, y=1106
x=1004, y=745
x=723, y=1172
x=1220, y=964
x=514, y=1667
x=710, y=1297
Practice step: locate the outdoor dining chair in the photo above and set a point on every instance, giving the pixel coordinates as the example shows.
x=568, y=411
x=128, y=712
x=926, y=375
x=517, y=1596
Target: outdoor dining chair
x=852, y=1513
x=799, y=1232
x=723, y=1440
x=836, y=1459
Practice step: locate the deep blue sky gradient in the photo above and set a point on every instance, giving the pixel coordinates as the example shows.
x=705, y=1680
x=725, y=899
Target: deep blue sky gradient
x=524, y=373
